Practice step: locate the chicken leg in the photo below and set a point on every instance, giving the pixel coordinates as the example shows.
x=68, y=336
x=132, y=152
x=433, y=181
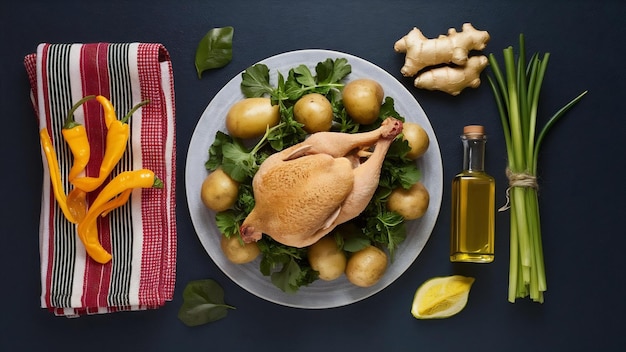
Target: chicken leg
x=338, y=144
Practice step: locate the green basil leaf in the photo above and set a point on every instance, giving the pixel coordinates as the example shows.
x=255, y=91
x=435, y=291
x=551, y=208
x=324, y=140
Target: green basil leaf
x=214, y=50
x=203, y=302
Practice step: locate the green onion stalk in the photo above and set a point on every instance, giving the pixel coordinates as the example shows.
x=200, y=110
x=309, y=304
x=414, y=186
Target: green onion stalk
x=516, y=90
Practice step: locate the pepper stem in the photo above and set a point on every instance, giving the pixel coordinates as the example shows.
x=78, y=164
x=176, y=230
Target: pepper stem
x=69, y=120
x=132, y=111
x=158, y=183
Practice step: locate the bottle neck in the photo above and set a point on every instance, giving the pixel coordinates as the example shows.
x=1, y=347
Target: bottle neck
x=473, y=153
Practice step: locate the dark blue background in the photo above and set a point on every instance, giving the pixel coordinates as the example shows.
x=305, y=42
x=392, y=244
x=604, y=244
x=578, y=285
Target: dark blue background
x=582, y=168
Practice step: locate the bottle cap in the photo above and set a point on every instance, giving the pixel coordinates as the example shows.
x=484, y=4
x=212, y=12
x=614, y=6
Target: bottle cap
x=474, y=129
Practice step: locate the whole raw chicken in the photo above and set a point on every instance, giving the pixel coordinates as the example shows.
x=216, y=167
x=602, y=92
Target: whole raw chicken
x=305, y=191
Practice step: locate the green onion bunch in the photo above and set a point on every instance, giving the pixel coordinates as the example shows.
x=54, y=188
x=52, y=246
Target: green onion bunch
x=517, y=89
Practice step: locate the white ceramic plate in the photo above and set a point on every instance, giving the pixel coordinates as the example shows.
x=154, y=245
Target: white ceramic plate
x=320, y=294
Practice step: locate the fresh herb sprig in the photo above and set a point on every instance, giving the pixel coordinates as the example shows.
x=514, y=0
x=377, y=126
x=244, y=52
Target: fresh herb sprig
x=327, y=80
x=329, y=75
x=381, y=226
x=286, y=266
x=234, y=157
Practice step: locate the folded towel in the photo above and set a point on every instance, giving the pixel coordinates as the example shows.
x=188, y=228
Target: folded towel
x=141, y=235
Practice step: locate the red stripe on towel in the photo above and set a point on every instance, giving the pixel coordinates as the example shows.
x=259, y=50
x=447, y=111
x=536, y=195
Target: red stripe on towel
x=94, y=117
x=104, y=230
x=93, y=63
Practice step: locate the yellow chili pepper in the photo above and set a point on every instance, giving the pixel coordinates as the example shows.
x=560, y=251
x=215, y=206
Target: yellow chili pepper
x=116, y=139
x=55, y=173
x=109, y=110
x=113, y=195
x=75, y=136
x=77, y=204
x=116, y=202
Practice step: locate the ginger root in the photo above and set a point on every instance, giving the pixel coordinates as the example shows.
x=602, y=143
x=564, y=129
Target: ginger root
x=422, y=52
x=452, y=50
x=453, y=79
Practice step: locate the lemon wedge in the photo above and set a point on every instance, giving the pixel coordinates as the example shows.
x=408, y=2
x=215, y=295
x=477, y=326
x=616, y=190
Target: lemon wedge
x=441, y=297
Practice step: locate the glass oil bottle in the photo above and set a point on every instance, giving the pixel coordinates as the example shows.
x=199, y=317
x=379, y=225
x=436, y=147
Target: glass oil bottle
x=473, y=203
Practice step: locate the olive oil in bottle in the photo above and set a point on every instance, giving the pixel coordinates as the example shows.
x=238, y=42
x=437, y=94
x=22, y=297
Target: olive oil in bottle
x=473, y=203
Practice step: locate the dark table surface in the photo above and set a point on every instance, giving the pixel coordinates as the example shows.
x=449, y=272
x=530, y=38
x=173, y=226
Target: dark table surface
x=581, y=170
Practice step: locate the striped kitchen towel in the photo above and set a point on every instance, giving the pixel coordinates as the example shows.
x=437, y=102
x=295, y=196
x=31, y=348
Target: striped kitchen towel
x=141, y=235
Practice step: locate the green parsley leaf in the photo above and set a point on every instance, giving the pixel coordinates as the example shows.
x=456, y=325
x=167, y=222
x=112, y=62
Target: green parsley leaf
x=255, y=81
x=355, y=244
x=397, y=170
x=387, y=228
x=304, y=76
x=332, y=71
x=229, y=221
x=287, y=278
x=288, y=134
x=215, y=150
x=238, y=162
x=245, y=201
x=286, y=266
x=350, y=237
x=388, y=109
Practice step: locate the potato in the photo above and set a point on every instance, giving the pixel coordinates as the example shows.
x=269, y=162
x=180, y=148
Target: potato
x=367, y=266
x=327, y=258
x=238, y=252
x=362, y=99
x=411, y=203
x=219, y=191
x=417, y=138
x=250, y=117
x=315, y=112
